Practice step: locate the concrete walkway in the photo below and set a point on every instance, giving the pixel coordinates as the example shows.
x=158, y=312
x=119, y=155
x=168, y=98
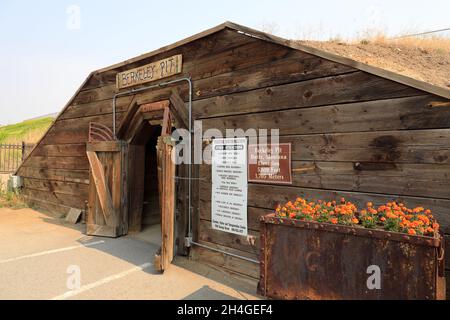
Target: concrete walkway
x=41, y=257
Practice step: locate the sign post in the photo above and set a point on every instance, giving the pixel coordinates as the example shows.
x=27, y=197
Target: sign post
x=229, y=185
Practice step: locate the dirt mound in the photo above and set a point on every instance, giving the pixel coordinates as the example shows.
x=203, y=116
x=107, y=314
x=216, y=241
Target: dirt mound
x=425, y=61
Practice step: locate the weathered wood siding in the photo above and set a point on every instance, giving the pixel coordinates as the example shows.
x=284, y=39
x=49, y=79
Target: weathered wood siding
x=334, y=115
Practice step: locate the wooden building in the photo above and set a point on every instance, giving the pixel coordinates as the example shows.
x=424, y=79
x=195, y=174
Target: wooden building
x=356, y=131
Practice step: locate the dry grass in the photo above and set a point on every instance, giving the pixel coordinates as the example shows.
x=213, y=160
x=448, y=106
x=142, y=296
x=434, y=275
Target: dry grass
x=422, y=58
x=431, y=42
x=9, y=199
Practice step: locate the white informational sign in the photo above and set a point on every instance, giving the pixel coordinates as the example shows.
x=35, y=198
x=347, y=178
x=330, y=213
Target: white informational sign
x=229, y=185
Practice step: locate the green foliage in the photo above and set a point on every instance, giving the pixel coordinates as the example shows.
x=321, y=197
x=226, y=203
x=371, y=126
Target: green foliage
x=28, y=131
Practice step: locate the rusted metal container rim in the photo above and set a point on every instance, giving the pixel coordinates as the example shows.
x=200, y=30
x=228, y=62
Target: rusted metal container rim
x=356, y=231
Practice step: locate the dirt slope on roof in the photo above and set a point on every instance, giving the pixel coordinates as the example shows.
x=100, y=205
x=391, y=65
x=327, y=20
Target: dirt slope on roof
x=429, y=62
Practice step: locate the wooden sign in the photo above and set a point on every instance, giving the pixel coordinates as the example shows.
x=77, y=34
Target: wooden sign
x=270, y=163
x=150, y=72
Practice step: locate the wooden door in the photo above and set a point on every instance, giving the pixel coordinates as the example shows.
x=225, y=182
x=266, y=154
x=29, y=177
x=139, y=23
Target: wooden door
x=106, y=208
x=166, y=185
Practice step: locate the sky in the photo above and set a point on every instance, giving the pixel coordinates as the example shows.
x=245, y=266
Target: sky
x=49, y=47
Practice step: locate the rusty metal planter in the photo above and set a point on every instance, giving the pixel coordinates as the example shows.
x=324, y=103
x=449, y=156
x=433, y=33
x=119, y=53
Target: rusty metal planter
x=310, y=260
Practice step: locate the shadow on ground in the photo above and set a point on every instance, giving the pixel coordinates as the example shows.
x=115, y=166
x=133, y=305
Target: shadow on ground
x=211, y=294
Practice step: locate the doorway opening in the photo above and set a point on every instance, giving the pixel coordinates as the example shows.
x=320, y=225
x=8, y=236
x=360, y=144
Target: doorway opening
x=146, y=183
x=151, y=207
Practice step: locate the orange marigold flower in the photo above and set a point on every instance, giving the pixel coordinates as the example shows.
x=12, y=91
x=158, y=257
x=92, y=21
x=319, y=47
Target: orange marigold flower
x=334, y=220
x=428, y=211
x=355, y=221
x=411, y=231
x=390, y=215
x=369, y=204
x=418, y=209
x=292, y=215
x=423, y=218
x=383, y=219
x=363, y=212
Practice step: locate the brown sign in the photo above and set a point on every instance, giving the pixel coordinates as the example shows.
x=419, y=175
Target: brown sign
x=270, y=163
x=150, y=72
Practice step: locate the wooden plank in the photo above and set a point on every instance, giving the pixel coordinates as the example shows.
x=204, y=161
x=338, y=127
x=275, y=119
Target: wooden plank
x=116, y=184
x=73, y=216
x=421, y=180
x=55, y=209
x=61, y=150
x=93, y=95
x=104, y=146
x=103, y=191
x=77, y=176
x=101, y=230
x=127, y=118
x=297, y=66
x=79, y=189
x=207, y=233
x=96, y=108
x=403, y=113
x=124, y=194
x=347, y=88
x=69, y=200
x=225, y=261
x=166, y=123
x=406, y=146
x=154, y=106
x=179, y=110
x=78, y=163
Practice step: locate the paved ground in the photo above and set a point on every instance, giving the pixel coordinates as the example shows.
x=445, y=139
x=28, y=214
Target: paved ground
x=40, y=255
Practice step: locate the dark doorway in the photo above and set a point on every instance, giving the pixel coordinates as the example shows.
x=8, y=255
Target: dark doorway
x=151, y=211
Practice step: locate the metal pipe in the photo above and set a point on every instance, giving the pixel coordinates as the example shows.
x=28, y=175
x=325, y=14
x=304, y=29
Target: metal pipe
x=225, y=252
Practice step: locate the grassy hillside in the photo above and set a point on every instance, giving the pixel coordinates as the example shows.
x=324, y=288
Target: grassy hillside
x=29, y=131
